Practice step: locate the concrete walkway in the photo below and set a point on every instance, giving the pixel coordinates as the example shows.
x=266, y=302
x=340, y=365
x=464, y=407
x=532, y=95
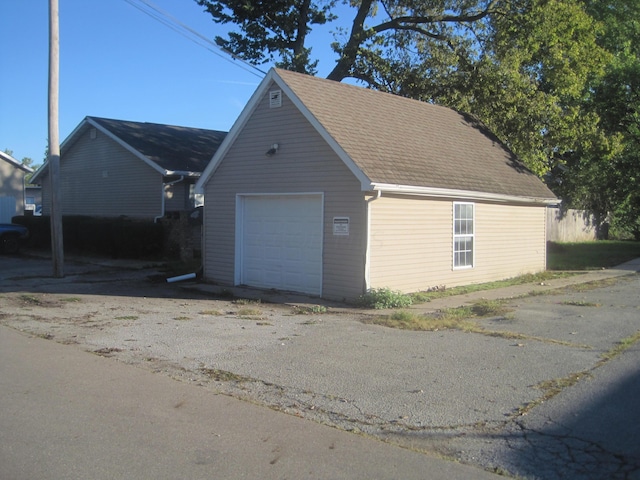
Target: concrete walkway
x=514, y=291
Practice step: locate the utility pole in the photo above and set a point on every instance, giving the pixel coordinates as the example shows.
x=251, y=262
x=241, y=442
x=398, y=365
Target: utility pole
x=57, y=249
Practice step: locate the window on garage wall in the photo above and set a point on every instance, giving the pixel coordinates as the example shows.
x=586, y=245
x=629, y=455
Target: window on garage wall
x=463, y=234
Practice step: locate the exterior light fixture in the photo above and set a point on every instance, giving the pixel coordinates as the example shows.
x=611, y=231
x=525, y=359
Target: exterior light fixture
x=272, y=151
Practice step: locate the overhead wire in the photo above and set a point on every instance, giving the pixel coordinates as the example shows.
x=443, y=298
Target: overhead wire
x=168, y=20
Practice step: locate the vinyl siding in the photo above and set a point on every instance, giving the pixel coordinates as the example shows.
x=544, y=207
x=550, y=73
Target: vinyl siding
x=303, y=164
x=98, y=177
x=411, y=247
x=12, y=184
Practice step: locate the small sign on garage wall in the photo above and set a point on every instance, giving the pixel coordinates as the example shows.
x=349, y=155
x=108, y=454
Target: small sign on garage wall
x=341, y=225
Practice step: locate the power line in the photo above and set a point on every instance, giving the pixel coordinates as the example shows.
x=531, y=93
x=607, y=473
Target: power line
x=168, y=20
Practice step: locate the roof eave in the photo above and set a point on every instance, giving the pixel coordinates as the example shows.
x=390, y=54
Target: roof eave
x=462, y=194
x=181, y=173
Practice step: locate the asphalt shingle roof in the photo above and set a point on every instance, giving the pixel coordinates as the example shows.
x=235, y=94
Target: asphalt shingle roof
x=173, y=148
x=399, y=141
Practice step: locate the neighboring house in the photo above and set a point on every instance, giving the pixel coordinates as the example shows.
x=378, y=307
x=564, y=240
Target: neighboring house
x=330, y=189
x=12, y=174
x=33, y=199
x=110, y=168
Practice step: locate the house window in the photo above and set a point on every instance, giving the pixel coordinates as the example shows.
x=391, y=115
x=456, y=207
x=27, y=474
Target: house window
x=463, y=235
x=195, y=199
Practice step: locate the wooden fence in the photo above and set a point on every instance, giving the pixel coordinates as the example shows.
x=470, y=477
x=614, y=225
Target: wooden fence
x=570, y=226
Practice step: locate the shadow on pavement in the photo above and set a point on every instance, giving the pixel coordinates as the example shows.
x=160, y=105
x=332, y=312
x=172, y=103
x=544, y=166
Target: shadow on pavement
x=595, y=439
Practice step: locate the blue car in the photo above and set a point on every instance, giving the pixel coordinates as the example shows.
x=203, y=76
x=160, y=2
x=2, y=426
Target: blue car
x=11, y=237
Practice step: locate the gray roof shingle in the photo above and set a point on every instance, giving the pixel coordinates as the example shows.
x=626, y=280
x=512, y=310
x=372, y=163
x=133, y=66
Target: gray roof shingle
x=173, y=148
x=400, y=141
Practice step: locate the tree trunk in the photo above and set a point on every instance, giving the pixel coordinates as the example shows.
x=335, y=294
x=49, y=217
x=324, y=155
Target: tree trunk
x=350, y=52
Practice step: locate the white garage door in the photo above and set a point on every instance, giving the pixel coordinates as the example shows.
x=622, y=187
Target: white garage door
x=281, y=242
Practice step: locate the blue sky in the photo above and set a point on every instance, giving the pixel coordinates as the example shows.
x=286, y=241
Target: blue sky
x=118, y=62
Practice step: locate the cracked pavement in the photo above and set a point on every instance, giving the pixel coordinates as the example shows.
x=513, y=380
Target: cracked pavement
x=481, y=399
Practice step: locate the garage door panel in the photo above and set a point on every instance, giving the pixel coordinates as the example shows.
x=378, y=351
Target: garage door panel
x=281, y=246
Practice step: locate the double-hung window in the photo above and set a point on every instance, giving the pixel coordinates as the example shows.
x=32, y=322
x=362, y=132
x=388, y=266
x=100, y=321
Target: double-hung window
x=463, y=234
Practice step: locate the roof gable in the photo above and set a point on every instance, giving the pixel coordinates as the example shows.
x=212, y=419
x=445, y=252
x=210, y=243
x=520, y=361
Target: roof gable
x=395, y=143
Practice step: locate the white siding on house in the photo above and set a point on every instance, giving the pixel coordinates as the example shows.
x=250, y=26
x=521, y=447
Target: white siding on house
x=304, y=163
x=411, y=245
x=98, y=177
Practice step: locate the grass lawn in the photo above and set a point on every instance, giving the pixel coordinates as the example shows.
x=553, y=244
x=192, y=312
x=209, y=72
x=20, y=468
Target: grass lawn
x=590, y=255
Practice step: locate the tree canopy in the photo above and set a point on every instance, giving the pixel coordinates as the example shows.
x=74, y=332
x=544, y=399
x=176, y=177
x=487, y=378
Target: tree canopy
x=556, y=80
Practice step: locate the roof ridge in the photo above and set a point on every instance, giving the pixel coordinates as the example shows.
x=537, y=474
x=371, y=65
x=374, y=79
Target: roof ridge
x=154, y=123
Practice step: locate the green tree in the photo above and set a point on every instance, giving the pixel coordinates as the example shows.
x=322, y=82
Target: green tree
x=604, y=177
x=523, y=72
x=271, y=31
x=278, y=30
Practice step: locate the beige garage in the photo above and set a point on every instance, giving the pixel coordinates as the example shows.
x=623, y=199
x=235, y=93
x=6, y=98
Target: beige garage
x=331, y=189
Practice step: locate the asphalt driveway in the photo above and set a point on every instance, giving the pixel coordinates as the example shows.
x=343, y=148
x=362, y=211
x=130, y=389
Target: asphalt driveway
x=531, y=396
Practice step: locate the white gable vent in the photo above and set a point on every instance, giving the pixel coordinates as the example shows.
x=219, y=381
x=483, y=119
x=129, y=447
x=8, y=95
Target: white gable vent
x=275, y=98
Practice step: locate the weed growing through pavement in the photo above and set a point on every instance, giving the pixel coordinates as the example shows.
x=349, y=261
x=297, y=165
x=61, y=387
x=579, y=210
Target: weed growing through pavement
x=223, y=375
x=249, y=312
x=247, y=301
x=551, y=388
x=309, y=310
x=580, y=303
x=215, y=313
x=127, y=317
x=620, y=347
x=459, y=318
x=30, y=300
x=107, y=351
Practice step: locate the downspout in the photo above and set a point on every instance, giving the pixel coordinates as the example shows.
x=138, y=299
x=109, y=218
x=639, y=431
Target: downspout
x=367, y=253
x=168, y=184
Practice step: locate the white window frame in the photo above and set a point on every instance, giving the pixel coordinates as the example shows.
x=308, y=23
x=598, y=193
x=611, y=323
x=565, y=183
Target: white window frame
x=466, y=235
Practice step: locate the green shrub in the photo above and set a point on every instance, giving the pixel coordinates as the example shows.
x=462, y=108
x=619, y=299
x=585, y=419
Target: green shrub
x=382, y=298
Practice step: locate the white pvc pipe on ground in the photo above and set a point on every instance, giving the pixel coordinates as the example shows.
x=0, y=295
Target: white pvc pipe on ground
x=179, y=278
